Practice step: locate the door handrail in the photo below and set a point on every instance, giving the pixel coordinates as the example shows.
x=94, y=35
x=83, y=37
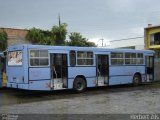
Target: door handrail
x=55, y=71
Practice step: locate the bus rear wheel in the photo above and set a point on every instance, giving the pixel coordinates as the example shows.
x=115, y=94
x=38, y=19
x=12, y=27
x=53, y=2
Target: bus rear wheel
x=79, y=84
x=136, y=79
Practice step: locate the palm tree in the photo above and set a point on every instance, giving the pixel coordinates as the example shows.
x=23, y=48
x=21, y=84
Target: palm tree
x=59, y=33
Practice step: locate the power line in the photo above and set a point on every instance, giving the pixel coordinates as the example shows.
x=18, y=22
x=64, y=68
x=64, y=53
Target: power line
x=126, y=39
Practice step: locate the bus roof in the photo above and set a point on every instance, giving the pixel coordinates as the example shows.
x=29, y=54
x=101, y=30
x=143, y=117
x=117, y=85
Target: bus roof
x=49, y=47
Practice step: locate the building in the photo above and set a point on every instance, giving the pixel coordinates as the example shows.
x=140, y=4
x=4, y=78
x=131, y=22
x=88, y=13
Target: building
x=152, y=41
x=16, y=36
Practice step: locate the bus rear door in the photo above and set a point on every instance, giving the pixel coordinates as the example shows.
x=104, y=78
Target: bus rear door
x=150, y=67
x=102, y=65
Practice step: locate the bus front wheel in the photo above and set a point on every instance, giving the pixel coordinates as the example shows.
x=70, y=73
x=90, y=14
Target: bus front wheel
x=79, y=84
x=136, y=79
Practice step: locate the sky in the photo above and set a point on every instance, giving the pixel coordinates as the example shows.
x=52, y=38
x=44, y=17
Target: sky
x=94, y=19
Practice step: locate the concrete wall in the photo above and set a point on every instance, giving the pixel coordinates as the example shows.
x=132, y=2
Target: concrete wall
x=15, y=36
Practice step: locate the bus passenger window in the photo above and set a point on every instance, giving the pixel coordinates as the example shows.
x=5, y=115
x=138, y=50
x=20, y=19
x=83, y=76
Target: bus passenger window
x=85, y=58
x=117, y=58
x=130, y=58
x=72, y=58
x=39, y=58
x=140, y=59
x=34, y=62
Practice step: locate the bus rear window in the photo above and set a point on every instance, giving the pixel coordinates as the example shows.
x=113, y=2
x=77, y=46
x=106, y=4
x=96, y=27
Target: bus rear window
x=15, y=58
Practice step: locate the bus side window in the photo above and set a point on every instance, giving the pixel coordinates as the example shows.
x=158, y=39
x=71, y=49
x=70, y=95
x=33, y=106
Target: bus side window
x=72, y=58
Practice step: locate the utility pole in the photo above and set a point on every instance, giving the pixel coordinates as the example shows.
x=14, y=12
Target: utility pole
x=59, y=19
x=102, y=41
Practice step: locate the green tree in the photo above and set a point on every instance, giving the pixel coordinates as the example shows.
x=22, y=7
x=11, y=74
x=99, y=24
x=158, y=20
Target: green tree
x=3, y=40
x=57, y=36
x=76, y=39
x=90, y=44
x=49, y=39
x=59, y=33
x=38, y=36
x=35, y=36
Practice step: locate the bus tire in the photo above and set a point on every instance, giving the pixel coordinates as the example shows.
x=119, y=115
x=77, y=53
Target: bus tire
x=79, y=84
x=136, y=79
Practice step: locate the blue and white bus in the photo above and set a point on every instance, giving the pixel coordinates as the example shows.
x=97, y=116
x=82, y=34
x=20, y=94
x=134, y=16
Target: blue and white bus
x=42, y=67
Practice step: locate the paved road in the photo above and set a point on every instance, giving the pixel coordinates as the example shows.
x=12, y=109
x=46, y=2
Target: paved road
x=115, y=99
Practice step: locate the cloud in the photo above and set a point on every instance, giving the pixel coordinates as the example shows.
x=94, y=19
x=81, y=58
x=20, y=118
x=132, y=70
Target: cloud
x=118, y=6
x=139, y=31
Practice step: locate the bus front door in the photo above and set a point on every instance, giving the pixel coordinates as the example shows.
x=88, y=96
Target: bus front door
x=150, y=67
x=59, y=71
x=102, y=70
